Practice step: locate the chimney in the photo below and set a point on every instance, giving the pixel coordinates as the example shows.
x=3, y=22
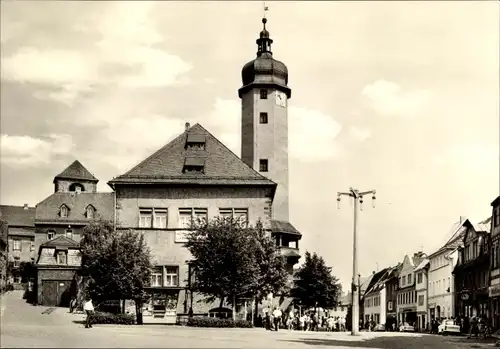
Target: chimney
x=25, y=206
x=188, y=125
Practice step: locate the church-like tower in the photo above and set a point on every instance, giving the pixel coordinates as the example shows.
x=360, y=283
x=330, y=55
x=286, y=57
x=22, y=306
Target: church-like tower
x=264, y=135
x=264, y=126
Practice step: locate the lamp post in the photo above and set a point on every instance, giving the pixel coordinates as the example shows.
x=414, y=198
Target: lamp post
x=357, y=196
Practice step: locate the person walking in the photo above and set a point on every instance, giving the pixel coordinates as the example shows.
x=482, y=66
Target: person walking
x=277, y=318
x=88, y=307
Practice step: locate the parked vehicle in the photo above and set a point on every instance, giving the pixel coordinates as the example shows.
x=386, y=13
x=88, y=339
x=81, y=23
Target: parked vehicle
x=448, y=327
x=380, y=328
x=406, y=327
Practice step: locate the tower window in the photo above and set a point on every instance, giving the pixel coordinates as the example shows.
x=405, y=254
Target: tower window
x=263, y=94
x=263, y=165
x=263, y=118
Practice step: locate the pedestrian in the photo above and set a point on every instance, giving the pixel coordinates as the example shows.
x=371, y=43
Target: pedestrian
x=88, y=307
x=277, y=317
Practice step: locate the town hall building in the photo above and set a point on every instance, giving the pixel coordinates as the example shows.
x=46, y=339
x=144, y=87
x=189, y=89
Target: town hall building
x=196, y=176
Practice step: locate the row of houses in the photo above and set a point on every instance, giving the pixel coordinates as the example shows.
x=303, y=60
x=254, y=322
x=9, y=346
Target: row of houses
x=460, y=279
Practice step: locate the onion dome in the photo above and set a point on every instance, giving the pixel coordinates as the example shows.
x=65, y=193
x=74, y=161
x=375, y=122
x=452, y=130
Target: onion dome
x=265, y=70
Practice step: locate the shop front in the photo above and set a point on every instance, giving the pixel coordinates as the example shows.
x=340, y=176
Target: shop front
x=494, y=295
x=162, y=305
x=408, y=315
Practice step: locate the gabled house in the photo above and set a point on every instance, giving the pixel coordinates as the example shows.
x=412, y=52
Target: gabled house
x=57, y=266
x=421, y=289
x=494, y=289
x=407, y=295
x=73, y=205
x=193, y=176
x=441, y=285
x=472, y=271
x=21, y=236
x=374, y=299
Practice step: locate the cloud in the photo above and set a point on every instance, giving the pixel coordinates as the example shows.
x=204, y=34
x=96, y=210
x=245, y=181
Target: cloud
x=386, y=98
x=26, y=151
x=359, y=134
x=312, y=134
x=128, y=54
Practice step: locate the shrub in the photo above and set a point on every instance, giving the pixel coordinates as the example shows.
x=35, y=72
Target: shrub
x=115, y=319
x=205, y=321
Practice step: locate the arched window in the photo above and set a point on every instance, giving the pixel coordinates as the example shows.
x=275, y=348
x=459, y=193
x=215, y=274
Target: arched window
x=64, y=211
x=76, y=187
x=90, y=212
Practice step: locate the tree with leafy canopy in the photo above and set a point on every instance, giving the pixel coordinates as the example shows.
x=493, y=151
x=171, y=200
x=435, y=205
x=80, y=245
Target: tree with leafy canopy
x=314, y=284
x=232, y=260
x=116, y=264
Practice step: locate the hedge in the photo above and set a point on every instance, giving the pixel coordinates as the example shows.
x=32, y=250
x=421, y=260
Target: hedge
x=115, y=319
x=205, y=321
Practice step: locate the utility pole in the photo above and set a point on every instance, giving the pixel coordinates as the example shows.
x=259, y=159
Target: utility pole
x=357, y=196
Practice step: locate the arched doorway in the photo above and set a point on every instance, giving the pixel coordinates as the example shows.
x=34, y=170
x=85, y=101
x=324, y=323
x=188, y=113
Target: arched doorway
x=438, y=312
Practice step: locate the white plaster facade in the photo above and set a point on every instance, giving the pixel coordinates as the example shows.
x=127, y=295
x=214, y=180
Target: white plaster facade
x=421, y=289
x=441, y=286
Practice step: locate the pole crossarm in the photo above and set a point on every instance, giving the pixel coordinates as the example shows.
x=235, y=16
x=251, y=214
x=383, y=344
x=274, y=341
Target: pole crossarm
x=358, y=200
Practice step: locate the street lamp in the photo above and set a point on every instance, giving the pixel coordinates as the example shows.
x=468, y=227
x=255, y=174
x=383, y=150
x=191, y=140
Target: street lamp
x=357, y=196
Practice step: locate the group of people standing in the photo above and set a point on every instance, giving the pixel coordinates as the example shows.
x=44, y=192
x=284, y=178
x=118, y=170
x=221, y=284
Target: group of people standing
x=308, y=321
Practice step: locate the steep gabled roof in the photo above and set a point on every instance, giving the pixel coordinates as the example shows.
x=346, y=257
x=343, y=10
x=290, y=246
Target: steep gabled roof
x=17, y=216
x=60, y=242
x=374, y=282
x=76, y=171
x=221, y=165
x=484, y=226
x=48, y=209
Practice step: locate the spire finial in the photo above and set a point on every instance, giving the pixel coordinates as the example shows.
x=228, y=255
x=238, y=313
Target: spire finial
x=266, y=8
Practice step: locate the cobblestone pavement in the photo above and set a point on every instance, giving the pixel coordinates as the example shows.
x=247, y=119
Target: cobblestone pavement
x=23, y=325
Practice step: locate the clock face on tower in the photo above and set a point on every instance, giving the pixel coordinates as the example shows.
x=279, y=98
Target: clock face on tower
x=280, y=99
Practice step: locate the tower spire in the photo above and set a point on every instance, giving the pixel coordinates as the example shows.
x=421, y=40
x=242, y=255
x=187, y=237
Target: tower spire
x=264, y=41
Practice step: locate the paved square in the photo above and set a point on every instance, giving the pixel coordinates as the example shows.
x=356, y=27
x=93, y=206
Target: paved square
x=23, y=325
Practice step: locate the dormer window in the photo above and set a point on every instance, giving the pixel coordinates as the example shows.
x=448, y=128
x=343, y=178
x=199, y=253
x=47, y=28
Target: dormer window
x=69, y=233
x=195, y=141
x=90, y=212
x=61, y=258
x=76, y=187
x=63, y=211
x=194, y=165
x=51, y=234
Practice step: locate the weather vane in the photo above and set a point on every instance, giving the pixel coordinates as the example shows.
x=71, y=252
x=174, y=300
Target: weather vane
x=266, y=8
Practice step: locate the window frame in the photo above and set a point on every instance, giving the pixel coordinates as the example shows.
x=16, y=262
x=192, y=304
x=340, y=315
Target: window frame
x=263, y=118
x=64, y=211
x=172, y=277
x=263, y=165
x=236, y=213
x=51, y=232
x=151, y=214
x=58, y=257
x=263, y=93
x=157, y=273
x=16, y=242
x=17, y=262
x=193, y=213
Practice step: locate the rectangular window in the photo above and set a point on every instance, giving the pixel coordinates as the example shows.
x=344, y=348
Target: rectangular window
x=69, y=233
x=409, y=279
x=145, y=217
x=189, y=216
x=61, y=258
x=263, y=165
x=171, y=276
x=240, y=214
x=17, y=262
x=51, y=234
x=421, y=300
x=497, y=217
x=16, y=245
x=263, y=118
x=263, y=94
x=153, y=218
x=160, y=218
x=157, y=276
x=403, y=281
x=32, y=247
x=419, y=278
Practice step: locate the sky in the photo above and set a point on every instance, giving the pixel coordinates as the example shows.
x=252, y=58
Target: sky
x=400, y=97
